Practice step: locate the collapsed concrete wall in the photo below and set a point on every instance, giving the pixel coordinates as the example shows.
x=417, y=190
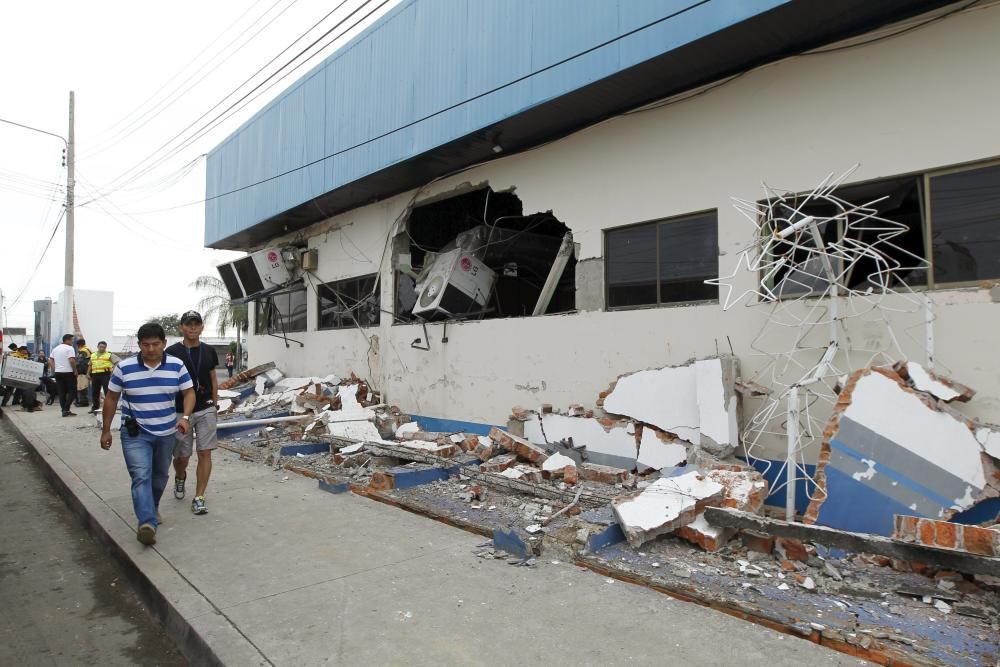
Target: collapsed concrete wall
x=892, y=450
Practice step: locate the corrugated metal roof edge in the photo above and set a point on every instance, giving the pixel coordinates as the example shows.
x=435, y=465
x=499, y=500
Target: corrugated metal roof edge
x=379, y=23
x=297, y=217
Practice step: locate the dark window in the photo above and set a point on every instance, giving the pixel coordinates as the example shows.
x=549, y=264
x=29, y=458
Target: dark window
x=281, y=313
x=965, y=225
x=895, y=199
x=663, y=262
x=349, y=303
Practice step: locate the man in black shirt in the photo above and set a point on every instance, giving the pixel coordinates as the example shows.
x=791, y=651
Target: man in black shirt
x=200, y=361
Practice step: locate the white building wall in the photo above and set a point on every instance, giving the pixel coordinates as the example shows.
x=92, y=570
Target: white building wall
x=923, y=100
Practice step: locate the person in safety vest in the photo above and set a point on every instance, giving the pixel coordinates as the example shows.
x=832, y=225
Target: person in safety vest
x=83, y=376
x=101, y=365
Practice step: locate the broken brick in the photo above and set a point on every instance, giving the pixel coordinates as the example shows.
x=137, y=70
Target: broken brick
x=708, y=537
x=593, y=472
x=790, y=549
x=520, y=413
x=525, y=450
x=381, y=481
x=757, y=541
x=498, y=463
x=664, y=506
x=571, y=475
x=982, y=541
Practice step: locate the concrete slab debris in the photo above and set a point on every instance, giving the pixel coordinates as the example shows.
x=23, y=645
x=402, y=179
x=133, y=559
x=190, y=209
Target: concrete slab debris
x=665, y=505
x=744, y=490
x=660, y=450
x=696, y=402
x=882, y=455
x=609, y=442
x=557, y=462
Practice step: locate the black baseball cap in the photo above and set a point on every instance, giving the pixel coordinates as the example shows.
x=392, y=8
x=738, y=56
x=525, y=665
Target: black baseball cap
x=191, y=315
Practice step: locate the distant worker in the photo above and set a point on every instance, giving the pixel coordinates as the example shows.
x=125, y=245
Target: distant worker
x=83, y=375
x=12, y=393
x=147, y=384
x=62, y=361
x=101, y=365
x=200, y=360
x=230, y=362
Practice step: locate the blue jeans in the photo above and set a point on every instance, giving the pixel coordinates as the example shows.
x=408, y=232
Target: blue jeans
x=147, y=458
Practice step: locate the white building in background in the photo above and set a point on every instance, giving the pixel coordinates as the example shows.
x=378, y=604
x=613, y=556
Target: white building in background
x=94, y=316
x=636, y=148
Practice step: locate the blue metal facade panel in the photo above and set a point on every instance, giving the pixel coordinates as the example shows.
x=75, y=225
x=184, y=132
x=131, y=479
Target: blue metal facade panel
x=422, y=57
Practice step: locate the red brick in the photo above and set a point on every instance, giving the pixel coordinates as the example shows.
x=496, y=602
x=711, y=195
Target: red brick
x=946, y=535
x=546, y=408
x=756, y=541
x=381, y=481
x=593, y=472
x=706, y=542
x=906, y=528
x=571, y=475
x=982, y=541
x=518, y=412
x=787, y=565
x=926, y=534
x=498, y=463
x=790, y=549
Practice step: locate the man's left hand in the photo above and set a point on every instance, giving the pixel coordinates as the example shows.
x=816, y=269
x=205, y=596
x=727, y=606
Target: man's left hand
x=183, y=426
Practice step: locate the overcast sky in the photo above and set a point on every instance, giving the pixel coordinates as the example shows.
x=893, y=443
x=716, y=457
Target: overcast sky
x=135, y=68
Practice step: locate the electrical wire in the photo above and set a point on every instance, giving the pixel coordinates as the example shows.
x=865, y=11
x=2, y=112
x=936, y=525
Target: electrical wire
x=199, y=133
x=38, y=264
x=209, y=72
x=456, y=104
x=113, y=127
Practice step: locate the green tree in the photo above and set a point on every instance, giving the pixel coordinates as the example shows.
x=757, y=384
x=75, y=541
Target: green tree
x=171, y=323
x=217, y=306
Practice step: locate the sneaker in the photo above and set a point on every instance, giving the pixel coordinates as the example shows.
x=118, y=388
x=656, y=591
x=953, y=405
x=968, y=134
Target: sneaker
x=198, y=505
x=69, y=414
x=179, y=487
x=146, y=534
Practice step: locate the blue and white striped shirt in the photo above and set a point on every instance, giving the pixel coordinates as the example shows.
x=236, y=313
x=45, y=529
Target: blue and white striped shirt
x=148, y=393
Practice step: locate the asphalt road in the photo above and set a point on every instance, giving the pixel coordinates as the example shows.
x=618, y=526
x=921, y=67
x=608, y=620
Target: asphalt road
x=64, y=602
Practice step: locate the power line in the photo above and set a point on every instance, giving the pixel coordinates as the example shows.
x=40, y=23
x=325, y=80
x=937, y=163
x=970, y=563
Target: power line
x=171, y=100
x=34, y=271
x=124, y=118
x=139, y=165
x=452, y=106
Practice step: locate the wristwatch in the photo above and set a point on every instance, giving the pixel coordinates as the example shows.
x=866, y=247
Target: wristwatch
x=185, y=418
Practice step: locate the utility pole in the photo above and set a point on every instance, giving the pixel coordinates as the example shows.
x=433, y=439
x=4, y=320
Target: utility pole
x=70, y=203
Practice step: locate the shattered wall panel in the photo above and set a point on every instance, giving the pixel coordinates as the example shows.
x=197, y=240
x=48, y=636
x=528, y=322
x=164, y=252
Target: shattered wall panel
x=890, y=450
x=664, y=397
x=611, y=444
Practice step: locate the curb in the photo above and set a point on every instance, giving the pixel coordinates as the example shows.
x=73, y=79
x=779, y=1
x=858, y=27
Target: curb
x=202, y=632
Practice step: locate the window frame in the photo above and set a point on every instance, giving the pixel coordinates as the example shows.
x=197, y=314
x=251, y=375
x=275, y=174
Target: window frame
x=656, y=223
x=924, y=176
x=929, y=174
x=352, y=323
x=260, y=305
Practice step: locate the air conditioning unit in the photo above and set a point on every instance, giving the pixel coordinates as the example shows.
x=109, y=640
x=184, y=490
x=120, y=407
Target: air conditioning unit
x=21, y=373
x=255, y=273
x=456, y=283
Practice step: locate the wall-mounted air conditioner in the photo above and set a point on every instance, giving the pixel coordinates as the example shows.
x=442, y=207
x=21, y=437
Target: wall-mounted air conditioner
x=256, y=272
x=455, y=284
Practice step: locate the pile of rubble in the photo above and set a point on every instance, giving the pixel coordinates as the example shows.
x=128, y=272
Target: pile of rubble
x=645, y=486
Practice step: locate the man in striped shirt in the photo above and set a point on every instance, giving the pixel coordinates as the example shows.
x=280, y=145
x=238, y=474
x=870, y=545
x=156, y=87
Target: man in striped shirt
x=148, y=383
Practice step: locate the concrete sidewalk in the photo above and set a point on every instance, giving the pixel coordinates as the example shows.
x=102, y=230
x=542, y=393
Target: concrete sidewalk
x=280, y=573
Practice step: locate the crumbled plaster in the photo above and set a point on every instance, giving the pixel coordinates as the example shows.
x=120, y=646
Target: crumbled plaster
x=665, y=505
x=924, y=381
x=614, y=446
x=657, y=450
x=557, y=462
x=666, y=397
